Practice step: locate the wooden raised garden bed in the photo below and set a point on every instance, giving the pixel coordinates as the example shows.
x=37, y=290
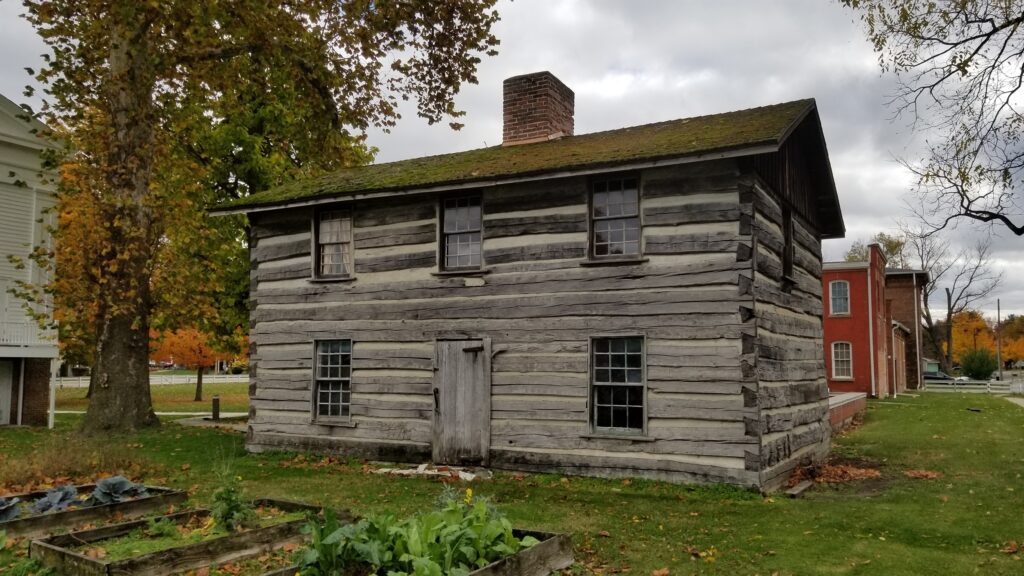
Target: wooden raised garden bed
x=58, y=552
x=157, y=498
x=554, y=553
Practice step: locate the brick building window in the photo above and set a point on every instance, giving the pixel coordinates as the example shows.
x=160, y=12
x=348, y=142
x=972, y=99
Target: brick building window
x=842, y=360
x=839, y=297
x=462, y=222
x=333, y=395
x=333, y=244
x=617, y=385
x=615, y=218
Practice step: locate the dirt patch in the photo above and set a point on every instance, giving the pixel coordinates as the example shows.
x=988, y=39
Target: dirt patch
x=839, y=470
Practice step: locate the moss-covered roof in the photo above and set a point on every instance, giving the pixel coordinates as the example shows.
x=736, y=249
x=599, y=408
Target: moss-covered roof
x=674, y=138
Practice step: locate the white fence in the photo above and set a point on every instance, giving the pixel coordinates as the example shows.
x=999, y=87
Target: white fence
x=976, y=386
x=159, y=380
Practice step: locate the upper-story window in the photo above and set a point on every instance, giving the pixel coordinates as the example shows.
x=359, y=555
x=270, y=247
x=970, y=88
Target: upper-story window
x=615, y=218
x=842, y=360
x=333, y=244
x=462, y=223
x=839, y=297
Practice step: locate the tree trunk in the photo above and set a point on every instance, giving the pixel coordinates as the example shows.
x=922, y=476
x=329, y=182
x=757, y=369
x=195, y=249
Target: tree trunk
x=947, y=359
x=121, y=399
x=199, y=384
x=121, y=396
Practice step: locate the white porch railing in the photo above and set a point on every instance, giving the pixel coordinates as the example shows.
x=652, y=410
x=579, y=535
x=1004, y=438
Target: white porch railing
x=25, y=334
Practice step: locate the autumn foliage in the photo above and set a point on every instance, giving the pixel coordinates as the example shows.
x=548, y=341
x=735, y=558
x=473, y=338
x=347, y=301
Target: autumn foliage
x=186, y=347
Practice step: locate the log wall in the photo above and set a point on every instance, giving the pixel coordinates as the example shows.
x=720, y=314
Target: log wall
x=790, y=364
x=724, y=349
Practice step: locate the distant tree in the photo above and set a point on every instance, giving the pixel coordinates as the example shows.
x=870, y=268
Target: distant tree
x=961, y=71
x=142, y=93
x=970, y=331
x=1013, y=327
x=957, y=280
x=893, y=248
x=190, y=348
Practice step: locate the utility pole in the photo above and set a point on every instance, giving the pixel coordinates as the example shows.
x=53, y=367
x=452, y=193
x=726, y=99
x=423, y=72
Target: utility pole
x=999, y=339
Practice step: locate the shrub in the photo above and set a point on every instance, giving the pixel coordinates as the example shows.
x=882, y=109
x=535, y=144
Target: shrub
x=230, y=510
x=978, y=364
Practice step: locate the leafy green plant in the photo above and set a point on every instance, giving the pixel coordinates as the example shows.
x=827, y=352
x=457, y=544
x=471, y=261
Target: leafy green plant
x=230, y=510
x=114, y=490
x=464, y=534
x=161, y=528
x=978, y=364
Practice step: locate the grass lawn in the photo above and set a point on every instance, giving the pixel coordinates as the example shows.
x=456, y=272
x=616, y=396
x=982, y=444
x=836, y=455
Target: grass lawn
x=959, y=523
x=234, y=397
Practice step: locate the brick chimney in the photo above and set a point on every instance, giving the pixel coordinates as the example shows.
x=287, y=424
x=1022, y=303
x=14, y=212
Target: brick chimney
x=537, y=107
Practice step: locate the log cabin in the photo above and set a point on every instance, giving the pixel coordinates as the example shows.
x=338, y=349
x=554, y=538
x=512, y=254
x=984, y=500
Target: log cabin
x=637, y=302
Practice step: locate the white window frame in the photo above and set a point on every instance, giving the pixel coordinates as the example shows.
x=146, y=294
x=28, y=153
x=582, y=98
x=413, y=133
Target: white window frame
x=849, y=347
x=832, y=298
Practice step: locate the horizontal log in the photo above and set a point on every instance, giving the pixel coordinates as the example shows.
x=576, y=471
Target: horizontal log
x=548, y=224
x=402, y=236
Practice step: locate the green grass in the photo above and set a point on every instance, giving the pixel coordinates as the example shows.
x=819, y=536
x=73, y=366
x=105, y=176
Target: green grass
x=894, y=525
x=234, y=397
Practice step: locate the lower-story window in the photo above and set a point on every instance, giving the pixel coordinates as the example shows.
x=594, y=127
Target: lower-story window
x=842, y=360
x=617, y=387
x=333, y=378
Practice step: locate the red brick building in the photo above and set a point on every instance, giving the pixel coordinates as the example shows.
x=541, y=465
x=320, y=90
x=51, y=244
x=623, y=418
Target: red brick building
x=904, y=289
x=872, y=319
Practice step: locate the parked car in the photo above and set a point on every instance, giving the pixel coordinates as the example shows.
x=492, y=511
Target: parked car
x=937, y=375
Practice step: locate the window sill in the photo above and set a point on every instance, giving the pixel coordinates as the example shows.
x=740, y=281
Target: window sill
x=842, y=378
x=473, y=272
x=335, y=423
x=613, y=261
x=847, y=315
x=613, y=436
x=338, y=280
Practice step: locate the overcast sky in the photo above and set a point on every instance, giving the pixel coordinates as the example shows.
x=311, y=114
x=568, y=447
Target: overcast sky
x=639, y=61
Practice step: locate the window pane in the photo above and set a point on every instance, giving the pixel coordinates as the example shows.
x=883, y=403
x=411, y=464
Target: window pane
x=334, y=242
x=333, y=372
x=618, y=395
x=463, y=222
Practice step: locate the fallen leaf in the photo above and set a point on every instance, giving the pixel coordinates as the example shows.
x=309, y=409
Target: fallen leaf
x=1012, y=547
x=660, y=572
x=186, y=467
x=290, y=547
x=604, y=534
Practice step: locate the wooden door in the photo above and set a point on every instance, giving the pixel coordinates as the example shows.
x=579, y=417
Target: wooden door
x=462, y=402
x=6, y=392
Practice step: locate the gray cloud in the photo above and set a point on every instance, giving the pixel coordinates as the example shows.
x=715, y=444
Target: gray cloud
x=645, y=61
